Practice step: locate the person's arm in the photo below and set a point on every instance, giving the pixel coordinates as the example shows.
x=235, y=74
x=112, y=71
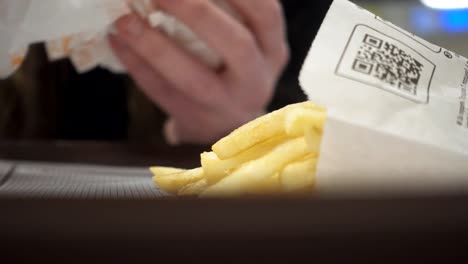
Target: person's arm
x=205, y=104
x=303, y=22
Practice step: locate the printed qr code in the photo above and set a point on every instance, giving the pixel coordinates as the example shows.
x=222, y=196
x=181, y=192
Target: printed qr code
x=389, y=64
x=376, y=59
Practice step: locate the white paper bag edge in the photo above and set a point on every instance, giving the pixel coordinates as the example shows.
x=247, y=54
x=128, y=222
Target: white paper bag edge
x=334, y=177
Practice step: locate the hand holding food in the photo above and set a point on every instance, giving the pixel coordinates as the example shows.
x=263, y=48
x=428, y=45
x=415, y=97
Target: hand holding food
x=252, y=49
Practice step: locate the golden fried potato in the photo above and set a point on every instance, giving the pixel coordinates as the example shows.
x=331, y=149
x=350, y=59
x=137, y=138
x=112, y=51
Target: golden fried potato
x=193, y=189
x=172, y=183
x=299, y=176
x=216, y=168
x=298, y=120
x=314, y=140
x=274, y=154
x=160, y=171
x=260, y=176
x=257, y=131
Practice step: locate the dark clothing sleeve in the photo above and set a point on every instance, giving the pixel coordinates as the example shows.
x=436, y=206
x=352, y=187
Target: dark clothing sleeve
x=92, y=106
x=303, y=21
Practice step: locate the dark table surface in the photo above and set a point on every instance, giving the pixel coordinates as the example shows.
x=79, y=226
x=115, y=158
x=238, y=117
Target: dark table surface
x=102, y=153
x=429, y=230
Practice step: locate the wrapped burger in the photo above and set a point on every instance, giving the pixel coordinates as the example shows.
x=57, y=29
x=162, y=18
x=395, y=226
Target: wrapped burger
x=77, y=29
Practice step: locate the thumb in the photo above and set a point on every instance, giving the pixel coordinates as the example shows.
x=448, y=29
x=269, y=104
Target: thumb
x=171, y=133
x=177, y=135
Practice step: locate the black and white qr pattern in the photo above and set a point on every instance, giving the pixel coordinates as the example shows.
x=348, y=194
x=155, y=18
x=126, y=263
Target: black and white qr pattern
x=393, y=64
x=389, y=64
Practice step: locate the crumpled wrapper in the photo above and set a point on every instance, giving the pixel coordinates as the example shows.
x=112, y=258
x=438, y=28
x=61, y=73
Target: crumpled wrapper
x=78, y=29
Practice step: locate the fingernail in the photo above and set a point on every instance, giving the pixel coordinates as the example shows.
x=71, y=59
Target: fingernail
x=131, y=24
x=143, y=9
x=170, y=133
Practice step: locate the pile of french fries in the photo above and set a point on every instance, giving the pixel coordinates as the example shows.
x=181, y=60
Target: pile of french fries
x=272, y=155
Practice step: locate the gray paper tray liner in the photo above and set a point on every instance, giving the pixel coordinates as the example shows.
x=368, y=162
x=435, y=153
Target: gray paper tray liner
x=47, y=181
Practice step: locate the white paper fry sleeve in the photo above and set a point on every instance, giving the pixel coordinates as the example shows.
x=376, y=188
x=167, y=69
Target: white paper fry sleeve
x=398, y=109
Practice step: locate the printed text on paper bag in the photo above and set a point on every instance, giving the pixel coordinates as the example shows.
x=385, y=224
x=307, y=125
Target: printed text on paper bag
x=462, y=118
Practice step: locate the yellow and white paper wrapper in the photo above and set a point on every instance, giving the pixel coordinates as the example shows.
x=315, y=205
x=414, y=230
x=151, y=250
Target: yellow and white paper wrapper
x=78, y=29
x=398, y=109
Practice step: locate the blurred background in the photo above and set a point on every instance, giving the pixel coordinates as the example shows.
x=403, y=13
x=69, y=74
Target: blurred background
x=442, y=22
x=49, y=101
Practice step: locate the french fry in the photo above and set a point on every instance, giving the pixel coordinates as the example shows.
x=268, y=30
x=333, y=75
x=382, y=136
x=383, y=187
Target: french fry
x=298, y=120
x=274, y=154
x=260, y=176
x=160, y=171
x=313, y=139
x=216, y=168
x=193, y=189
x=255, y=132
x=172, y=183
x=299, y=176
